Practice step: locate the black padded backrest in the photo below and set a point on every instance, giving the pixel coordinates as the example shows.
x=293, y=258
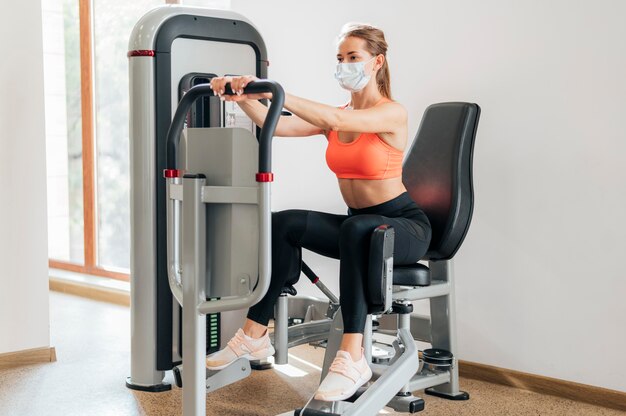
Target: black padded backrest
x=438, y=173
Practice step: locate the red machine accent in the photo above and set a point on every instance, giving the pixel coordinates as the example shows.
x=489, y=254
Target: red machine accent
x=173, y=173
x=316, y=279
x=140, y=53
x=265, y=177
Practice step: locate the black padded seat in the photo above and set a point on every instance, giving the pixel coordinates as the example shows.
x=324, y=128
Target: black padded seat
x=411, y=275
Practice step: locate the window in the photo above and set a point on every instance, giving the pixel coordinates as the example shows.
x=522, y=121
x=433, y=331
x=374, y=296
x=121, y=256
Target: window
x=114, y=20
x=86, y=89
x=86, y=83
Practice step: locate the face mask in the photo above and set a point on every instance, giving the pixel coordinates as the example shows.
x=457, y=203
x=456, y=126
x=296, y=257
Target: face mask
x=351, y=76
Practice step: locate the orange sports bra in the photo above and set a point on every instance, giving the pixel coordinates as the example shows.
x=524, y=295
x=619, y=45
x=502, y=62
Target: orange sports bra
x=366, y=157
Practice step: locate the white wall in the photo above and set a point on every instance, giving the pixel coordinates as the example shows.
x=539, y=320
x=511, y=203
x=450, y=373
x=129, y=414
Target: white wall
x=215, y=4
x=24, y=316
x=540, y=284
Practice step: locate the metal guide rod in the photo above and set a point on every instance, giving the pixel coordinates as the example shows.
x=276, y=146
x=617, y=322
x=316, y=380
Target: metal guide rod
x=194, y=323
x=317, y=282
x=174, y=268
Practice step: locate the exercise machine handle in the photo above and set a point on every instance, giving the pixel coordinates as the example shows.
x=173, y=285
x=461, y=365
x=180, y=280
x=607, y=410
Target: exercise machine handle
x=267, y=132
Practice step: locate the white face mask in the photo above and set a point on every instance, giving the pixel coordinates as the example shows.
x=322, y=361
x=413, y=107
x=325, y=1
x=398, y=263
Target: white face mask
x=351, y=76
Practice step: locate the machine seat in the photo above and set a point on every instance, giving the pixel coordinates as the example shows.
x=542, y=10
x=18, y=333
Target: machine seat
x=411, y=275
x=406, y=275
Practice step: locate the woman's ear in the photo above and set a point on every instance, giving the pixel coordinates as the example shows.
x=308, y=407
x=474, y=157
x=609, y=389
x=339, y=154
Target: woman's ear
x=380, y=60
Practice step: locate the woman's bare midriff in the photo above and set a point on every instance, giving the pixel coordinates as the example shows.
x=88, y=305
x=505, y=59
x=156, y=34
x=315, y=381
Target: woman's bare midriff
x=362, y=193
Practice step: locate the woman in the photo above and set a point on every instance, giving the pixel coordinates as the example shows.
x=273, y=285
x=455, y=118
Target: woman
x=366, y=142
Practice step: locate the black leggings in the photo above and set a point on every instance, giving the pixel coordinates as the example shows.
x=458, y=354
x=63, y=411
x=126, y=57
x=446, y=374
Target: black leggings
x=343, y=237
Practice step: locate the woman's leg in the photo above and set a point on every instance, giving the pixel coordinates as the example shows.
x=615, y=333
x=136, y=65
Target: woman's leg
x=354, y=246
x=337, y=236
x=349, y=370
x=291, y=231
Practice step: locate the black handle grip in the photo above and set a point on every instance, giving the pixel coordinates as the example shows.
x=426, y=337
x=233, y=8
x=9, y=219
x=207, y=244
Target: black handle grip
x=309, y=273
x=267, y=132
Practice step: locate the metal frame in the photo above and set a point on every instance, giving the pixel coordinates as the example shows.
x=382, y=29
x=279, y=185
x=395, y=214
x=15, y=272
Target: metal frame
x=178, y=220
x=393, y=382
x=189, y=287
x=183, y=201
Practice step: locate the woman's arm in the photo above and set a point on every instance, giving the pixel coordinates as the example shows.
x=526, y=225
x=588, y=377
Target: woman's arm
x=288, y=126
x=384, y=118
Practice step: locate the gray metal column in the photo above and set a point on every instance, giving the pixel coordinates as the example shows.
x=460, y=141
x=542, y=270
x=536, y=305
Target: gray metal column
x=404, y=323
x=193, y=279
x=143, y=372
x=367, y=339
x=281, y=330
x=443, y=322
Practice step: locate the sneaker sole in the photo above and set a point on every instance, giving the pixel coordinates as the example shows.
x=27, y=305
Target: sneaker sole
x=347, y=395
x=249, y=357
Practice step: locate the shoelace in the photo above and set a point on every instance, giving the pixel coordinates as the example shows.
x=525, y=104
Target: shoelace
x=340, y=365
x=236, y=341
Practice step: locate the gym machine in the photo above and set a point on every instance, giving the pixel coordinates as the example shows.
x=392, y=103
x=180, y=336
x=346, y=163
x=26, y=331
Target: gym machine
x=171, y=49
x=201, y=234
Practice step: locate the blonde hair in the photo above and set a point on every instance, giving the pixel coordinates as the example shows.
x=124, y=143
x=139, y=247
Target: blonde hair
x=375, y=44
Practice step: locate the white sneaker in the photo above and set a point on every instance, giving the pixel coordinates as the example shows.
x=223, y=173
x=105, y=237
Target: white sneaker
x=344, y=377
x=241, y=345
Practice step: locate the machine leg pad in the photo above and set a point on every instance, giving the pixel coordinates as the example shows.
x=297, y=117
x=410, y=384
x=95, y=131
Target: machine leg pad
x=157, y=388
x=178, y=377
x=462, y=395
x=416, y=406
x=257, y=365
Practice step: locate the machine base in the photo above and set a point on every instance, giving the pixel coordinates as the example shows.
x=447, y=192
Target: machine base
x=157, y=388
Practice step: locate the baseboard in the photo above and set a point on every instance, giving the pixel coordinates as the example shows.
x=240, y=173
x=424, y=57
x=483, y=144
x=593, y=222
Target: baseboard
x=27, y=357
x=545, y=385
x=103, y=294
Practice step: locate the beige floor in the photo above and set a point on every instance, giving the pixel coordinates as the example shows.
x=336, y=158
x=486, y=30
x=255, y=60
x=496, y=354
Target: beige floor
x=92, y=344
